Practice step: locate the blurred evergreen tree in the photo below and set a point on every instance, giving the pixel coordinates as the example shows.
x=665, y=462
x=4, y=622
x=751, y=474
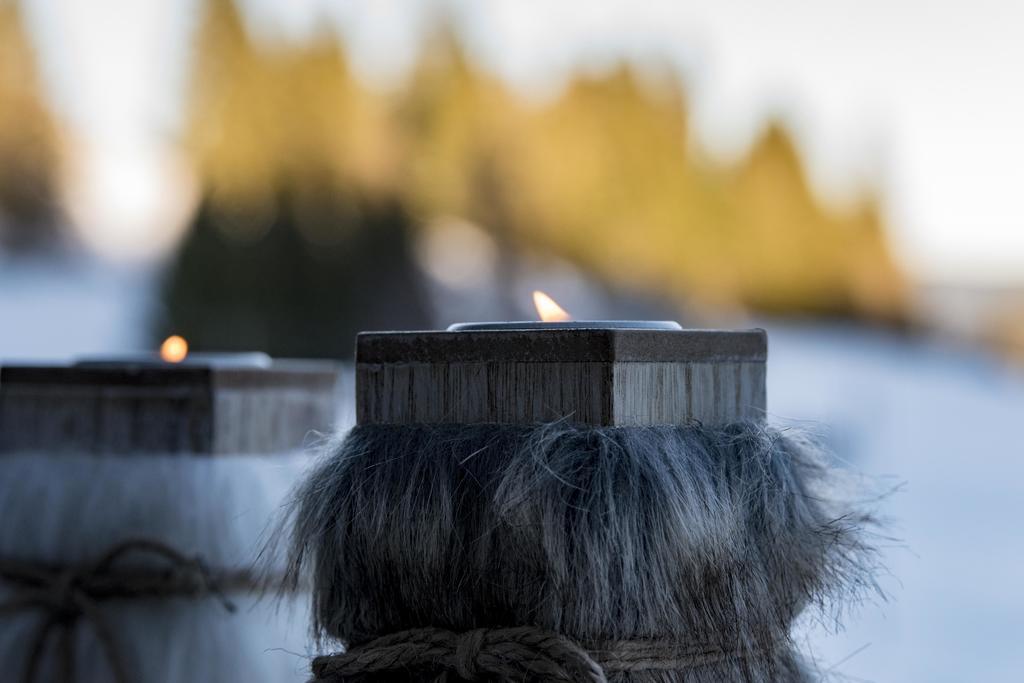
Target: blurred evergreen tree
x=298, y=243
x=29, y=213
x=323, y=267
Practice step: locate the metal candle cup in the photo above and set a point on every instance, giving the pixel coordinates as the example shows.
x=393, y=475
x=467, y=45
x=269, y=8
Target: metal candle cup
x=568, y=325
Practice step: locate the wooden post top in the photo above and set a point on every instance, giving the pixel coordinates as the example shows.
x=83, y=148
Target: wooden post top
x=563, y=345
x=138, y=408
x=591, y=376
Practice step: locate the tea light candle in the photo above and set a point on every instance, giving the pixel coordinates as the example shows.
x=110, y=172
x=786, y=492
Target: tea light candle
x=554, y=317
x=568, y=325
x=174, y=352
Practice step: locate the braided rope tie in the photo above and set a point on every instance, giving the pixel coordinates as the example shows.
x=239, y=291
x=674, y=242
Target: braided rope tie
x=518, y=653
x=67, y=595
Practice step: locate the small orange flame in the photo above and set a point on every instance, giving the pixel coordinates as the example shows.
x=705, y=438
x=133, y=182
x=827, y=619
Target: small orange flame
x=174, y=349
x=547, y=309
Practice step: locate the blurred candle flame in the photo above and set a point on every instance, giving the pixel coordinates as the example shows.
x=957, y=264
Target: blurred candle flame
x=548, y=310
x=174, y=349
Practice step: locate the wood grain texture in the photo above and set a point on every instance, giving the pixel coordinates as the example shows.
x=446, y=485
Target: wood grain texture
x=675, y=393
x=164, y=410
x=602, y=379
x=407, y=393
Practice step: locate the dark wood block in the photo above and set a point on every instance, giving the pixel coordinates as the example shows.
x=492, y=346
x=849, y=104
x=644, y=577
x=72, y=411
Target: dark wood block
x=589, y=376
x=165, y=409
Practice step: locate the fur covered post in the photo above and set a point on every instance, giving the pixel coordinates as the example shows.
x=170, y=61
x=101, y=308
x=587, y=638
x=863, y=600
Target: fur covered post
x=133, y=499
x=66, y=510
x=432, y=547
x=702, y=540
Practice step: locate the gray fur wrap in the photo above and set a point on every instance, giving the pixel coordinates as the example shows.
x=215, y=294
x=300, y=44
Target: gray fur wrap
x=694, y=534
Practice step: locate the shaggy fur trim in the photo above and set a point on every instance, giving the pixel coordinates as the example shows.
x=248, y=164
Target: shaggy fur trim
x=695, y=534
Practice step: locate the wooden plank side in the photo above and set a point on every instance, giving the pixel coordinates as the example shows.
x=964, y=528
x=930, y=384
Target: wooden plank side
x=195, y=411
x=677, y=393
x=510, y=392
x=269, y=420
x=104, y=419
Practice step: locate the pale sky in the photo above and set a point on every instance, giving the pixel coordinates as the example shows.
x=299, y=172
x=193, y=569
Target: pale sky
x=920, y=99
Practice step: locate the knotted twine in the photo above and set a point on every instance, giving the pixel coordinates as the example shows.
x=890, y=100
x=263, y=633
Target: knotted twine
x=519, y=653
x=66, y=595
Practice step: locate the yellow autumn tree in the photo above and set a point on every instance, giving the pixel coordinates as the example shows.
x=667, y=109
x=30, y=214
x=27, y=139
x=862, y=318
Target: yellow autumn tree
x=799, y=256
x=610, y=178
x=455, y=124
x=273, y=113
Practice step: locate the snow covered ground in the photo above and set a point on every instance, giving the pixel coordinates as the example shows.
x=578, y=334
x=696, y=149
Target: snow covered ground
x=55, y=309
x=942, y=421
x=946, y=423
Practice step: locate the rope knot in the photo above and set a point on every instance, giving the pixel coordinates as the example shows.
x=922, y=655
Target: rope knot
x=68, y=595
x=520, y=653
x=467, y=650
x=64, y=599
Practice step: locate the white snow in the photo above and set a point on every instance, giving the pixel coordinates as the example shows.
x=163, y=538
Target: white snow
x=945, y=423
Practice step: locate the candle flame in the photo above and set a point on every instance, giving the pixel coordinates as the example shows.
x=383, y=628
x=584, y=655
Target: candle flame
x=174, y=349
x=547, y=309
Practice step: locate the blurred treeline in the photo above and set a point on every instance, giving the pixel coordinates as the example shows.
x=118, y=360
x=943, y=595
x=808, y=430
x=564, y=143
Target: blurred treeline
x=316, y=190
x=29, y=143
